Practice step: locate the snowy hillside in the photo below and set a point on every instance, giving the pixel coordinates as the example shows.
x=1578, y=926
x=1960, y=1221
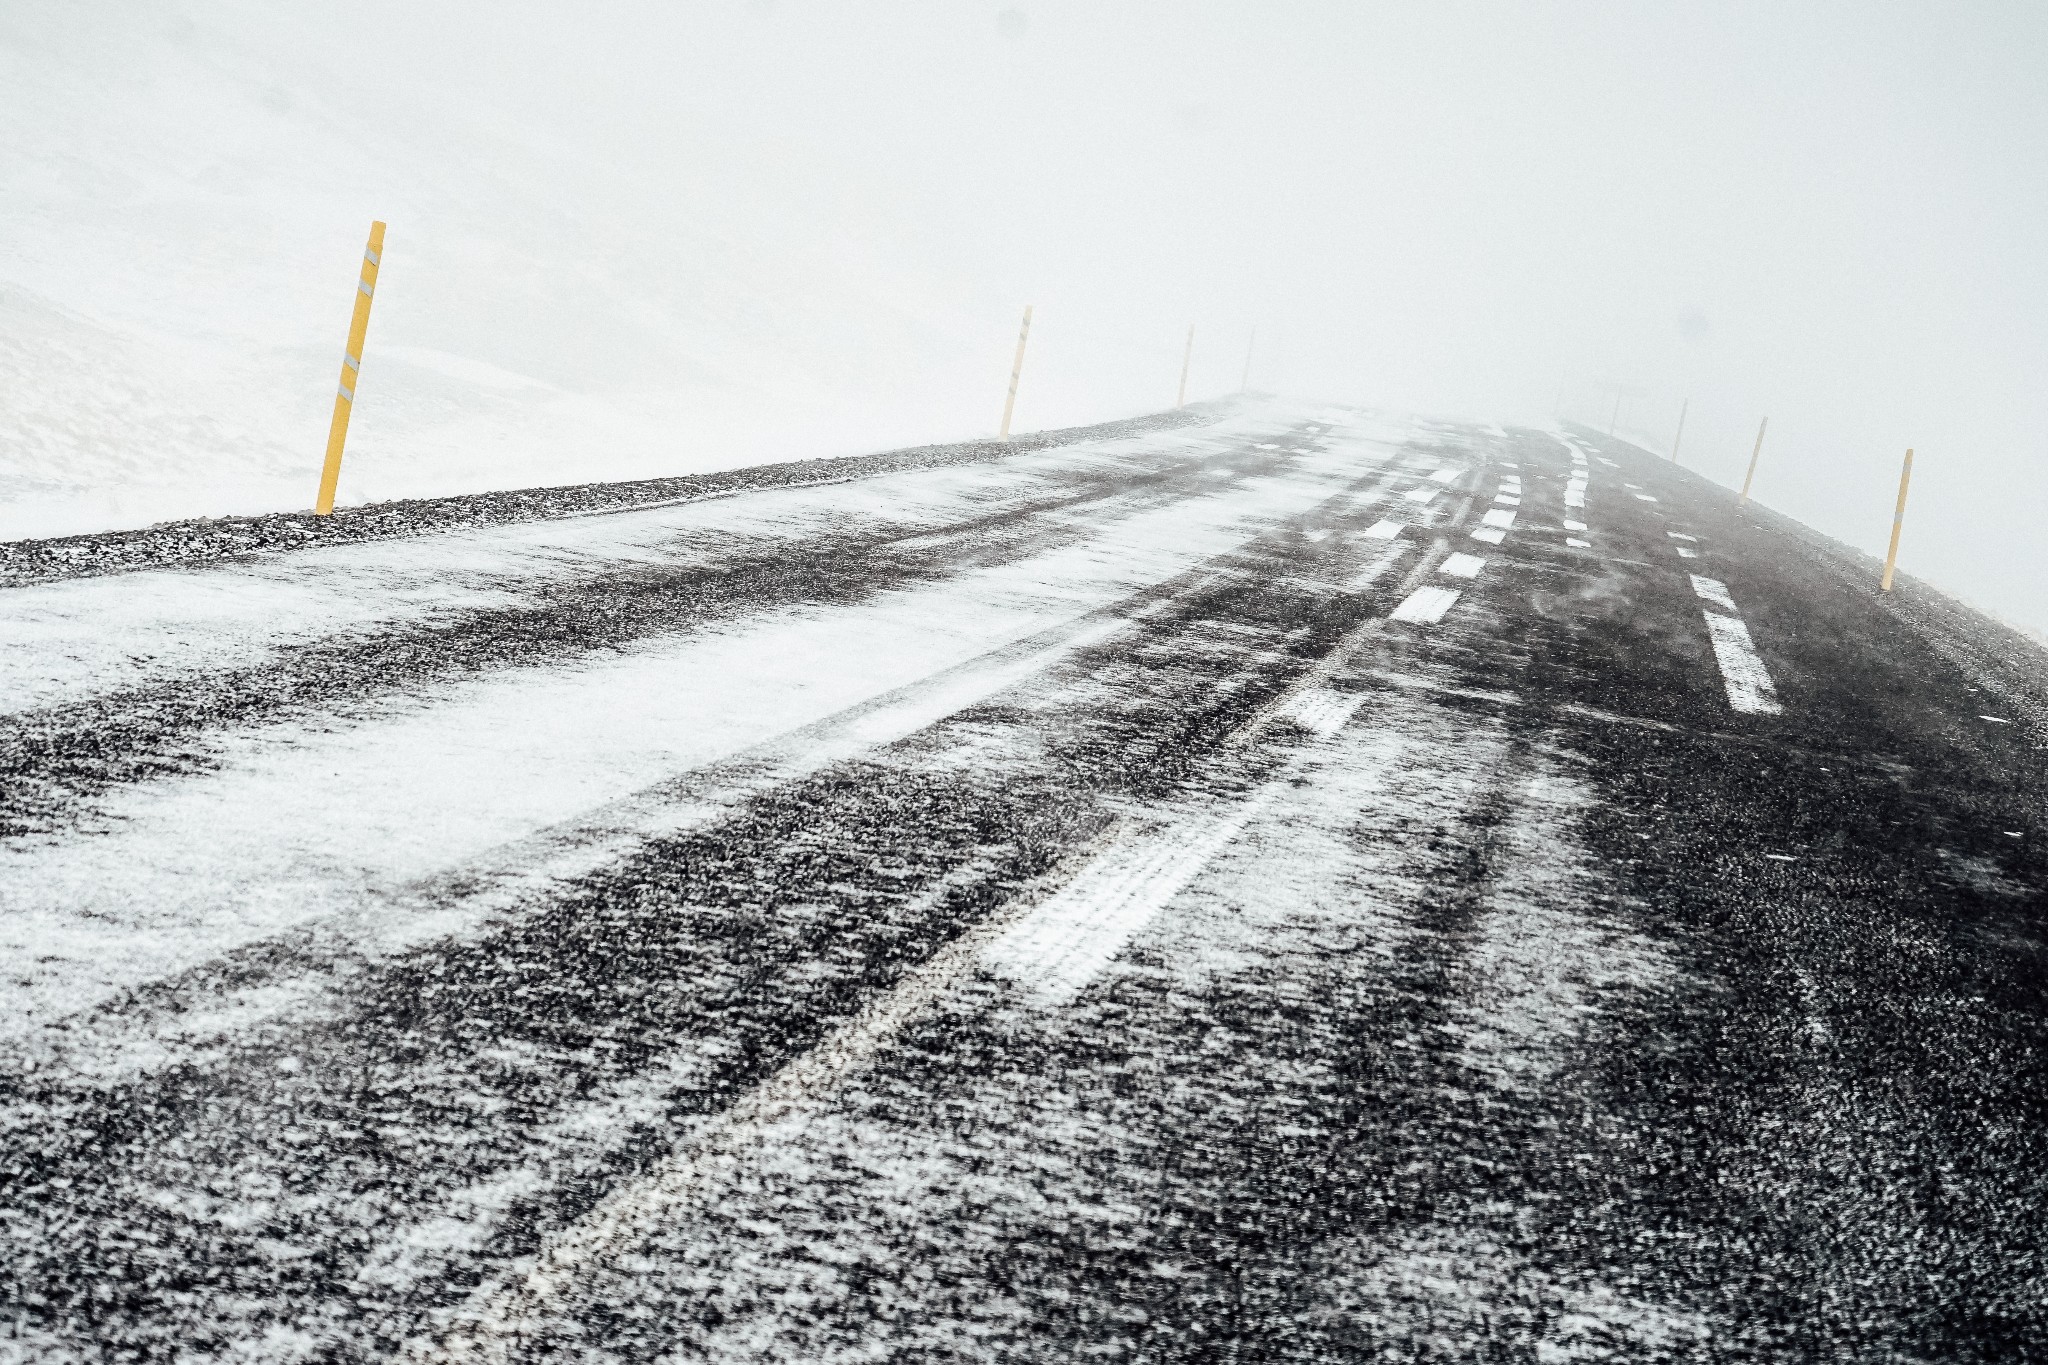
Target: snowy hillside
x=188, y=190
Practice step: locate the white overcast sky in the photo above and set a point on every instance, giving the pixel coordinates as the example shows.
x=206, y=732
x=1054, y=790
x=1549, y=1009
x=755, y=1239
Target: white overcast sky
x=1829, y=213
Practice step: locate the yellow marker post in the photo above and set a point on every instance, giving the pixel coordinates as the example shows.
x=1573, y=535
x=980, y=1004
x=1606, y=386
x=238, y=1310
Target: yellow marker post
x=351, y=366
x=1746, y=478
x=1016, y=373
x=1891, y=556
x=1185, y=356
x=1682, y=407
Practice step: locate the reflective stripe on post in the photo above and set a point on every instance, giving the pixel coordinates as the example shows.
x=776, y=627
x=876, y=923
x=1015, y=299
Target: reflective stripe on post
x=351, y=364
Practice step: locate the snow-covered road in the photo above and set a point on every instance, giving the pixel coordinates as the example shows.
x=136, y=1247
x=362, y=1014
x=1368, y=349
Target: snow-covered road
x=1303, y=886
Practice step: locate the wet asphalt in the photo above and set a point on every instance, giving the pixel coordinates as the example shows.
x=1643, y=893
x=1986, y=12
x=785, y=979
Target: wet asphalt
x=1547, y=1009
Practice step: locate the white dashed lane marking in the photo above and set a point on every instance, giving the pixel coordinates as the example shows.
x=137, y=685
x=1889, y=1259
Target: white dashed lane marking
x=1492, y=535
x=1577, y=544
x=1684, y=553
x=1384, y=530
x=1743, y=674
x=1322, y=710
x=1574, y=525
x=1447, y=475
x=1463, y=566
x=1056, y=949
x=1365, y=577
x=1680, y=535
x=1715, y=591
x=1425, y=606
x=1421, y=494
x=1499, y=516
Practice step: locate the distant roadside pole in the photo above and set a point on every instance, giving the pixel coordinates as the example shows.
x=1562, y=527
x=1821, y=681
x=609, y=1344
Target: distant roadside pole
x=1757, y=450
x=1891, y=556
x=351, y=368
x=1016, y=373
x=1682, y=407
x=1186, y=356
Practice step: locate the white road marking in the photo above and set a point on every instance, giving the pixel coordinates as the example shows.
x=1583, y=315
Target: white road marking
x=1323, y=710
x=1684, y=553
x=1463, y=566
x=1318, y=535
x=1998, y=720
x=1575, y=525
x=1421, y=494
x=1609, y=463
x=1644, y=497
x=1743, y=674
x=1384, y=530
x=1680, y=535
x=1447, y=475
x=1425, y=606
x=1781, y=857
x=1507, y=500
x=1492, y=535
x=1742, y=669
x=1065, y=941
x=1713, y=590
x=1051, y=949
x=1366, y=576
x=1499, y=516
x=1578, y=544
x=1265, y=447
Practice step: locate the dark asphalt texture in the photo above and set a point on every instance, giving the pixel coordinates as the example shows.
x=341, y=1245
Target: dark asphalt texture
x=1781, y=1098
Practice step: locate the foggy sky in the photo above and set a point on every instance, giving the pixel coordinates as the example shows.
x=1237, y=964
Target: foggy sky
x=1828, y=213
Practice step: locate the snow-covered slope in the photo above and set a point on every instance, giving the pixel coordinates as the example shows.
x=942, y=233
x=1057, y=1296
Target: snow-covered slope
x=187, y=191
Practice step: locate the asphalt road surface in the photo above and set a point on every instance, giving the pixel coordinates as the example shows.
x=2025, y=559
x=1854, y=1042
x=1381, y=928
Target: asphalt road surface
x=1301, y=885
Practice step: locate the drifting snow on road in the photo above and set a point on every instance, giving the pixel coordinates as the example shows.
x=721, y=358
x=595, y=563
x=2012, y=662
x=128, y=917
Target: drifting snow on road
x=1299, y=886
